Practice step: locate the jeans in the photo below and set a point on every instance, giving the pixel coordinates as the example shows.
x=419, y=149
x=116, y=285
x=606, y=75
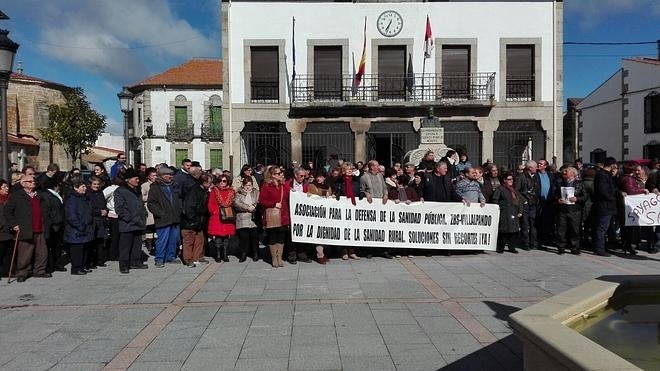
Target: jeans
x=602, y=225
x=166, y=243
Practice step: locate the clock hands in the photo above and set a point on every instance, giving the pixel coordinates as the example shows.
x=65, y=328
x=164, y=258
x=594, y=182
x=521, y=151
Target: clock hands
x=388, y=26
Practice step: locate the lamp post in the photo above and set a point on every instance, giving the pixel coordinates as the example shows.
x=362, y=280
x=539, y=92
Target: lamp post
x=7, y=52
x=126, y=105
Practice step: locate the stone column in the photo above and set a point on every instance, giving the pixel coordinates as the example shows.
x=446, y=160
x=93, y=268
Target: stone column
x=488, y=129
x=360, y=128
x=296, y=128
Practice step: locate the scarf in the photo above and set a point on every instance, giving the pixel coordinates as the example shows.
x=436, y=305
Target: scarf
x=512, y=191
x=348, y=189
x=3, y=199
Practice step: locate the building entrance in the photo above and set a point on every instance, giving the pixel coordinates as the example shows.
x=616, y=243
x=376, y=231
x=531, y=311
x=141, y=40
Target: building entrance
x=388, y=142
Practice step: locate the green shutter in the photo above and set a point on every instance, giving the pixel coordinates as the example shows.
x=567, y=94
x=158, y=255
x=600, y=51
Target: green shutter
x=216, y=119
x=181, y=117
x=180, y=154
x=216, y=158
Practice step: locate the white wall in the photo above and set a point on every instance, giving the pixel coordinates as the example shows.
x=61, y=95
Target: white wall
x=642, y=79
x=108, y=140
x=486, y=21
x=602, y=129
x=160, y=117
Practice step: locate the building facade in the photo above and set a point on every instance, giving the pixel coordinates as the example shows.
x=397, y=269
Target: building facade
x=493, y=79
x=621, y=118
x=177, y=114
x=28, y=99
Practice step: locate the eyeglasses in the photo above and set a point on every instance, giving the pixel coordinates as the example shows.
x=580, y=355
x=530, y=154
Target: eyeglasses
x=223, y=180
x=277, y=173
x=508, y=179
x=27, y=181
x=248, y=169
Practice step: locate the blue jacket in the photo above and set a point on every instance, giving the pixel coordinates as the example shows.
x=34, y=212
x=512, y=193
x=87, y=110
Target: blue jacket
x=79, y=226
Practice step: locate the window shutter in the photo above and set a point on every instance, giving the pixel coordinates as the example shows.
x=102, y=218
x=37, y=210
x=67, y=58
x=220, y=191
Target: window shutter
x=181, y=154
x=216, y=118
x=215, y=157
x=181, y=117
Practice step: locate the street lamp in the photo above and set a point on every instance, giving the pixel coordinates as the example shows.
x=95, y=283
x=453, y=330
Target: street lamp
x=7, y=52
x=126, y=105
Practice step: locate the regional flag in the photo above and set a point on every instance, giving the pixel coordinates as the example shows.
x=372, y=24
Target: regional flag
x=357, y=80
x=428, y=39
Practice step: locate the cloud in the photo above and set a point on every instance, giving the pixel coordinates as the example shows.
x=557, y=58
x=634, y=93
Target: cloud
x=117, y=39
x=113, y=126
x=592, y=12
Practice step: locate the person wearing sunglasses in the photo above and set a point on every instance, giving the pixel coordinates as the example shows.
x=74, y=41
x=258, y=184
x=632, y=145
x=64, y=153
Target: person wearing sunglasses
x=274, y=194
x=221, y=228
x=511, y=209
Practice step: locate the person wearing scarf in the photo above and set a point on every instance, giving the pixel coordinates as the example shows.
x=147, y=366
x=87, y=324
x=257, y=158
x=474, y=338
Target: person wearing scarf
x=347, y=186
x=5, y=236
x=511, y=210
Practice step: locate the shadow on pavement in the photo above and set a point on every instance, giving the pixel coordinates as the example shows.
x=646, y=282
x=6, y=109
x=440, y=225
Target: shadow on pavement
x=505, y=354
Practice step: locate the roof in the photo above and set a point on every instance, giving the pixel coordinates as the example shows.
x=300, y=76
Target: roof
x=195, y=72
x=23, y=140
x=20, y=77
x=646, y=60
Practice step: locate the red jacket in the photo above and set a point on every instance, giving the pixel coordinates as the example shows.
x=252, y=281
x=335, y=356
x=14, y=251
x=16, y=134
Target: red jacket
x=269, y=195
x=218, y=227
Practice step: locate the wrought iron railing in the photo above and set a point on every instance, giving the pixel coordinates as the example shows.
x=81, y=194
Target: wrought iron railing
x=264, y=91
x=520, y=88
x=180, y=133
x=212, y=133
x=428, y=87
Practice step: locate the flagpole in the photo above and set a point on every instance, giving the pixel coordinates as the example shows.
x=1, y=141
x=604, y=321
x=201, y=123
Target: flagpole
x=229, y=97
x=293, y=73
x=423, y=73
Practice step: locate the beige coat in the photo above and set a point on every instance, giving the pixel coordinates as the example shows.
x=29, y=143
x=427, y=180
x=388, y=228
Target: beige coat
x=145, y=194
x=244, y=218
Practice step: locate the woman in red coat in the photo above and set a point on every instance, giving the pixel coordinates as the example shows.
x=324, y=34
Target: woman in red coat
x=274, y=193
x=222, y=196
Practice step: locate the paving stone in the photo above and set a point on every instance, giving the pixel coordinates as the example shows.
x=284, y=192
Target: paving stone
x=314, y=335
x=394, y=317
x=362, y=345
x=416, y=357
x=434, y=325
x=262, y=364
x=266, y=346
x=156, y=366
x=78, y=367
x=314, y=357
x=365, y=363
x=212, y=358
x=403, y=334
x=313, y=315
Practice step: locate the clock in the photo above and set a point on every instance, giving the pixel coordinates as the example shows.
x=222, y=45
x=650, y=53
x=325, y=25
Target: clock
x=389, y=23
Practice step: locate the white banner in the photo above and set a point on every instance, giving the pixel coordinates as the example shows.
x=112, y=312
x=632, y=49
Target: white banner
x=420, y=225
x=642, y=210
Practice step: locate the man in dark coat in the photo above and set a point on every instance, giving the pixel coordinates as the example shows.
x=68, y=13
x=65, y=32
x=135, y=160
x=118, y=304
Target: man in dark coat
x=604, y=206
x=55, y=215
x=183, y=179
x=528, y=186
x=569, y=211
x=164, y=202
x=132, y=221
x=193, y=221
x=545, y=222
x=25, y=213
x=439, y=187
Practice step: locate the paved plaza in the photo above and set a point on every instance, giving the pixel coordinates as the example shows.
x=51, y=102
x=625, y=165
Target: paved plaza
x=420, y=313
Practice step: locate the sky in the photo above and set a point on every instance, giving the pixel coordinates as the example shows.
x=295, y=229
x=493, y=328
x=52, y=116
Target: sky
x=102, y=45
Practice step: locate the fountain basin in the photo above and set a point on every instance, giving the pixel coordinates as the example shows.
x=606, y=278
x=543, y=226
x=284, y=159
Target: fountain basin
x=549, y=343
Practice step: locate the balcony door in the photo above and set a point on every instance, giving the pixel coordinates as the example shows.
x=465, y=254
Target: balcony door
x=456, y=72
x=327, y=72
x=391, y=72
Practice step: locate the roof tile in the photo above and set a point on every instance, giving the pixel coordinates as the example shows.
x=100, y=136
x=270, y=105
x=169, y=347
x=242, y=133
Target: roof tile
x=196, y=71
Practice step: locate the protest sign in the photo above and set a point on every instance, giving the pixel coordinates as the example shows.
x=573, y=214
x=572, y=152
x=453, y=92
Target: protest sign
x=420, y=225
x=642, y=210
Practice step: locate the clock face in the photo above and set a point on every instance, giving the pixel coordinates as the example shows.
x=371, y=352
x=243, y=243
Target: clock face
x=390, y=23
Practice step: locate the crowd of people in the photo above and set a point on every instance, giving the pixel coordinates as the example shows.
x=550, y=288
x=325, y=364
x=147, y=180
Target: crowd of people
x=187, y=214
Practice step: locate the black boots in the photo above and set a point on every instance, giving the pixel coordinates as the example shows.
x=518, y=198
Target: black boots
x=221, y=245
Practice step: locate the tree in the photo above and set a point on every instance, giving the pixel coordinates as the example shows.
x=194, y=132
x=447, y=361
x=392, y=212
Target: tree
x=74, y=125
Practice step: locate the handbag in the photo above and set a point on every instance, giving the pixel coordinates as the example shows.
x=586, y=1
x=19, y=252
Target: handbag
x=273, y=215
x=227, y=213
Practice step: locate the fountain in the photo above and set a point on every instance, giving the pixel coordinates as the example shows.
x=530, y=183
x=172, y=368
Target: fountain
x=610, y=323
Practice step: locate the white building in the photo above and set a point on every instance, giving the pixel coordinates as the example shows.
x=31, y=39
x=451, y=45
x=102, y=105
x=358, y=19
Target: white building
x=493, y=79
x=621, y=118
x=177, y=114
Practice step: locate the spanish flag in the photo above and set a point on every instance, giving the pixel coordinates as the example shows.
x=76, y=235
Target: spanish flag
x=357, y=80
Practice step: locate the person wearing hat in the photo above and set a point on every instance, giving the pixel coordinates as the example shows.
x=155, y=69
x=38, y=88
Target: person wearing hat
x=164, y=201
x=132, y=221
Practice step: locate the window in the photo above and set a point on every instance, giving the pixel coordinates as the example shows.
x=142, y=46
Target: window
x=520, y=73
x=327, y=72
x=180, y=155
x=181, y=117
x=265, y=80
x=652, y=113
x=215, y=158
x=391, y=72
x=597, y=156
x=456, y=71
x=215, y=118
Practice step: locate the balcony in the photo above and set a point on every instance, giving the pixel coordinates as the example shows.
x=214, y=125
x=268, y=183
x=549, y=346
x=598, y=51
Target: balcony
x=520, y=88
x=212, y=133
x=180, y=133
x=452, y=90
